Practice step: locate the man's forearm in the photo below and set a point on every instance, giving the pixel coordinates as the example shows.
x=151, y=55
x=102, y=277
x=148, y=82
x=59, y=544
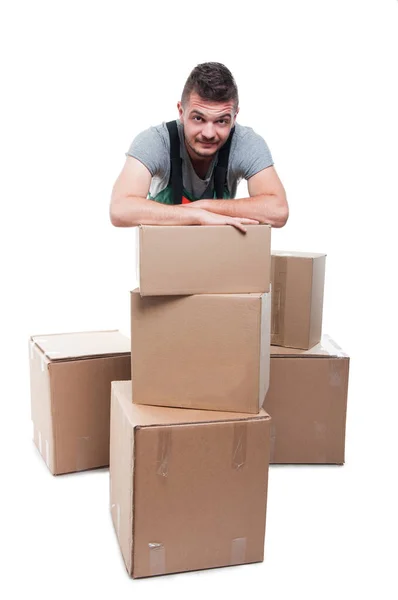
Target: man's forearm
x=129, y=211
x=264, y=208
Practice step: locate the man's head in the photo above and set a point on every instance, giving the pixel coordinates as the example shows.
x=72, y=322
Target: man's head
x=208, y=109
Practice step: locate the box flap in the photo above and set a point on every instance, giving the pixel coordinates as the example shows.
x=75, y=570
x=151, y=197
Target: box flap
x=238, y=295
x=297, y=254
x=141, y=415
x=325, y=349
x=85, y=344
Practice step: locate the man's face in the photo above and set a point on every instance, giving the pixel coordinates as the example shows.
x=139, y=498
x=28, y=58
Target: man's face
x=207, y=125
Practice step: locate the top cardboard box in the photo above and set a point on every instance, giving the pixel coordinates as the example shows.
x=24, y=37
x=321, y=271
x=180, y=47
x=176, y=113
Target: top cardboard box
x=185, y=260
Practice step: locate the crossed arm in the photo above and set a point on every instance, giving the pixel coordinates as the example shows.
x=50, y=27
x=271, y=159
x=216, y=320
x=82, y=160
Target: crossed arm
x=130, y=206
x=267, y=202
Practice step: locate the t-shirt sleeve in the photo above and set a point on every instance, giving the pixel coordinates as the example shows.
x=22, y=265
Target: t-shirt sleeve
x=150, y=148
x=253, y=155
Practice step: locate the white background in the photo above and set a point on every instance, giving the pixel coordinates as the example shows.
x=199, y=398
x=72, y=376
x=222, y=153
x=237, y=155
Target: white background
x=318, y=80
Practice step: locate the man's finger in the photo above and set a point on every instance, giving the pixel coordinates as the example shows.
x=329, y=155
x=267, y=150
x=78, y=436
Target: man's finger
x=249, y=221
x=238, y=224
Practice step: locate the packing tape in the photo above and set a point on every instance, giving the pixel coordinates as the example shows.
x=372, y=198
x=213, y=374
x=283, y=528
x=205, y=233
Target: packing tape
x=47, y=454
x=321, y=439
x=320, y=430
x=117, y=524
x=272, y=441
x=82, y=453
x=278, y=299
x=331, y=347
x=157, y=558
x=164, y=449
x=52, y=353
x=239, y=446
x=276, y=309
x=238, y=551
x=335, y=375
x=285, y=253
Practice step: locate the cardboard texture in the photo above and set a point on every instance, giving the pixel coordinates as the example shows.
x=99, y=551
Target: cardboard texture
x=181, y=260
x=188, y=488
x=70, y=376
x=208, y=351
x=307, y=401
x=297, y=298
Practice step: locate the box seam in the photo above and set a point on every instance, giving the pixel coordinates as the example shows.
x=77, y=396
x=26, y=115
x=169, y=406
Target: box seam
x=54, y=420
x=132, y=495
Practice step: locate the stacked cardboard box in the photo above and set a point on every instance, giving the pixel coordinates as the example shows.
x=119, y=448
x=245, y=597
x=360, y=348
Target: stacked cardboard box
x=298, y=280
x=190, y=442
x=188, y=487
x=307, y=396
x=182, y=422
x=70, y=377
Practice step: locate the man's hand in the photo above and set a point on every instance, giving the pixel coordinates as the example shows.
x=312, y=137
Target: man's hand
x=207, y=218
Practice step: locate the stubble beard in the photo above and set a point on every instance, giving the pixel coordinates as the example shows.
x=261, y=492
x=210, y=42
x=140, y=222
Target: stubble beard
x=202, y=154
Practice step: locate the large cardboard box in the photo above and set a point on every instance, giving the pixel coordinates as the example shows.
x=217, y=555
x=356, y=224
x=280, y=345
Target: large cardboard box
x=208, y=351
x=307, y=401
x=297, y=298
x=71, y=377
x=174, y=260
x=188, y=488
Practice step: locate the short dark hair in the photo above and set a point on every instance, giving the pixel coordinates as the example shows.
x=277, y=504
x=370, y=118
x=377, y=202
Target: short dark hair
x=211, y=81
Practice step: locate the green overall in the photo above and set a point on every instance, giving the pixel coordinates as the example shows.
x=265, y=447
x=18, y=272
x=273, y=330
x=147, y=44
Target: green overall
x=178, y=194
x=166, y=196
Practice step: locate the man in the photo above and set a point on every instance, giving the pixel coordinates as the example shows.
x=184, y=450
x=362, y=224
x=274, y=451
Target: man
x=186, y=172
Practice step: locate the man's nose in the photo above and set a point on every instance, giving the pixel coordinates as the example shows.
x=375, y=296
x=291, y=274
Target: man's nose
x=208, y=131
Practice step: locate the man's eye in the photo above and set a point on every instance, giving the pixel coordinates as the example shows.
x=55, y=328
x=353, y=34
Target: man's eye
x=223, y=121
x=199, y=118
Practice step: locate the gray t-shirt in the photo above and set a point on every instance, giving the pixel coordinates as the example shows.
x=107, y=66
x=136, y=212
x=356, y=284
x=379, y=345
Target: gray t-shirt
x=249, y=154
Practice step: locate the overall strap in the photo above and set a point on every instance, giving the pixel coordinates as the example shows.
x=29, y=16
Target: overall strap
x=220, y=171
x=176, y=164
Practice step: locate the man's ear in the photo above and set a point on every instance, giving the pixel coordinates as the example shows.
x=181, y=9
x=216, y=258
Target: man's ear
x=236, y=114
x=180, y=109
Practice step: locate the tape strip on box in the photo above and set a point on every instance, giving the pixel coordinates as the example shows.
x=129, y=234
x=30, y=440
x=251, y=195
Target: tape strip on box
x=238, y=551
x=163, y=454
x=239, y=446
x=157, y=558
x=278, y=300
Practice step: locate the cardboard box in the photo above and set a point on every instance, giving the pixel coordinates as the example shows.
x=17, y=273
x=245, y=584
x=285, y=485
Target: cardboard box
x=297, y=298
x=307, y=401
x=71, y=377
x=178, y=260
x=188, y=488
x=208, y=351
